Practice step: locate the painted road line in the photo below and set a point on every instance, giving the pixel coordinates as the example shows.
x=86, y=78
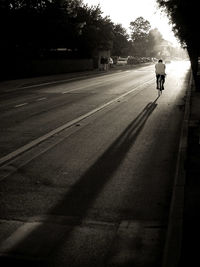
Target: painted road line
x=18, y=236
x=35, y=142
x=35, y=240
x=47, y=83
x=21, y=105
x=40, y=99
x=81, y=88
x=57, y=82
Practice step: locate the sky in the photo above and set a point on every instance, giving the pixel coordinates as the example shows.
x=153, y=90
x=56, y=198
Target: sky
x=125, y=11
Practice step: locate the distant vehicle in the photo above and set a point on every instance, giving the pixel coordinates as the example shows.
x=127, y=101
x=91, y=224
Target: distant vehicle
x=114, y=58
x=167, y=60
x=132, y=60
x=122, y=61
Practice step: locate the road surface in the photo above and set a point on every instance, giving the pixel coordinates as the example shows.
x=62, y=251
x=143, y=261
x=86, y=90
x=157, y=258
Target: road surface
x=87, y=168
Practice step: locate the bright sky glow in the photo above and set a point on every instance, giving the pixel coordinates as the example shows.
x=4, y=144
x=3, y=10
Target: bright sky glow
x=125, y=11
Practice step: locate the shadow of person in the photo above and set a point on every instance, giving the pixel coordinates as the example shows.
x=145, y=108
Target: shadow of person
x=83, y=193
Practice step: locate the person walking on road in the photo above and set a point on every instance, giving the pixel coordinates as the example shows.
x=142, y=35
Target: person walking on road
x=160, y=71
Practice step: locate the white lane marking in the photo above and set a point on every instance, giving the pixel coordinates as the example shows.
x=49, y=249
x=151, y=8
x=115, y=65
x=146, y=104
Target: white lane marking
x=35, y=142
x=81, y=87
x=68, y=80
x=21, y=239
x=42, y=98
x=19, y=235
x=47, y=83
x=85, y=87
x=59, y=81
x=21, y=105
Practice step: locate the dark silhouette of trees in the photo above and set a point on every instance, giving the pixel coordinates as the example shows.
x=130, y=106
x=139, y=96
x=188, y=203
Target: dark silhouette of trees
x=139, y=34
x=140, y=28
x=184, y=16
x=37, y=29
x=122, y=46
x=96, y=32
x=46, y=29
x=33, y=27
x=155, y=40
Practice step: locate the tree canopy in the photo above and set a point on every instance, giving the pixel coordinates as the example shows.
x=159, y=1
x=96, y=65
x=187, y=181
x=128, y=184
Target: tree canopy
x=121, y=44
x=140, y=29
x=34, y=26
x=184, y=16
x=145, y=40
x=139, y=35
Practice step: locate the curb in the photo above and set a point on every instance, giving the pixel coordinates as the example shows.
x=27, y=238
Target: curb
x=173, y=245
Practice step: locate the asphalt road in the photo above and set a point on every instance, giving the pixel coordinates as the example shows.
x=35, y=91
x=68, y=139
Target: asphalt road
x=88, y=169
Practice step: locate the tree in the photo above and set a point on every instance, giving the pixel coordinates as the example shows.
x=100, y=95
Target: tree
x=139, y=34
x=140, y=28
x=96, y=31
x=155, y=40
x=184, y=16
x=35, y=26
x=121, y=44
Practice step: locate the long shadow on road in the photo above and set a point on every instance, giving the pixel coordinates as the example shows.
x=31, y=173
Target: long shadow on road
x=82, y=195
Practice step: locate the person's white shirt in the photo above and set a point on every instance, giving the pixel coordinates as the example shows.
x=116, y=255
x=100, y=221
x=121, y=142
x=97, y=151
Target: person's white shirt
x=160, y=68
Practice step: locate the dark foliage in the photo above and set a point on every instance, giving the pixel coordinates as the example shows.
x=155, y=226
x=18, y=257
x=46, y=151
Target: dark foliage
x=34, y=28
x=184, y=15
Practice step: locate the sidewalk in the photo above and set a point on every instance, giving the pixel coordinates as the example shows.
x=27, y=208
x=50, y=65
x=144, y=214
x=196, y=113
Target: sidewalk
x=182, y=245
x=191, y=215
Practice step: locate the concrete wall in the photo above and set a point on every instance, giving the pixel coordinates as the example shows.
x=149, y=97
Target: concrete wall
x=45, y=67
x=21, y=68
